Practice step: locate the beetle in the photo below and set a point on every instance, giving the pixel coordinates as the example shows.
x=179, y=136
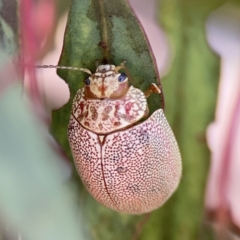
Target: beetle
x=127, y=160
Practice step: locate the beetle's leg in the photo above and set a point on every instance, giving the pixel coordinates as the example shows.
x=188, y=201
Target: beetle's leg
x=152, y=89
x=146, y=113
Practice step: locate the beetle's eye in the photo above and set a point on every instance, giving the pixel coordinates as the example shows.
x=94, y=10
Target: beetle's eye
x=87, y=81
x=122, y=77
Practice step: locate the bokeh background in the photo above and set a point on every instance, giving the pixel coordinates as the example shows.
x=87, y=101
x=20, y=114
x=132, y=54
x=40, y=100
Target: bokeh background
x=197, y=49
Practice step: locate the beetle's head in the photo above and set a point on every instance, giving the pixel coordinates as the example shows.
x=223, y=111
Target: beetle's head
x=106, y=82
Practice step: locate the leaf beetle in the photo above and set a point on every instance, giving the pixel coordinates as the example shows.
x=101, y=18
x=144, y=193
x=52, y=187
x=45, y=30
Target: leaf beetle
x=128, y=165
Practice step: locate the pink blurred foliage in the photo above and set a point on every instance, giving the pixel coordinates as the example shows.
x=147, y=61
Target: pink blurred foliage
x=146, y=13
x=37, y=20
x=53, y=88
x=36, y=23
x=8, y=76
x=223, y=189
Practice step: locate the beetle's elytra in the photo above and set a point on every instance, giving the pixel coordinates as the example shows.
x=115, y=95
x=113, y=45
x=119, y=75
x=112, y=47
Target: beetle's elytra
x=127, y=165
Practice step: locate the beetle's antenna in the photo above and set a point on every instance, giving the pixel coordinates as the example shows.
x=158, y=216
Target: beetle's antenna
x=65, y=67
x=121, y=66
